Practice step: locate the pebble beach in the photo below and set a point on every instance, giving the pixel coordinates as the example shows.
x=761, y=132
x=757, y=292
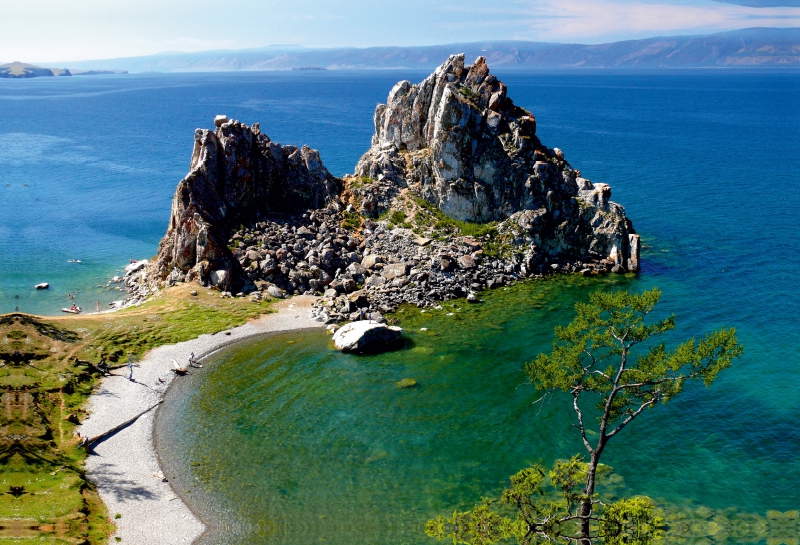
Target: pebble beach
x=124, y=466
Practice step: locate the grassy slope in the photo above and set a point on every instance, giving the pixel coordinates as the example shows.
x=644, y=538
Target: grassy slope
x=42, y=398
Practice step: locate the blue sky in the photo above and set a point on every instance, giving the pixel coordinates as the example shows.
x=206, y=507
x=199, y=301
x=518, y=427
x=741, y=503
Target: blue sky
x=59, y=30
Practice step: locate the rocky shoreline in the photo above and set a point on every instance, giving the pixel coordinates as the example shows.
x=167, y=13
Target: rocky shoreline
x=455, y=195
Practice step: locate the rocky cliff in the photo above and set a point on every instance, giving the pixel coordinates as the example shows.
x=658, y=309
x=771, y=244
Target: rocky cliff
x=458, y=141
x=237, y=176
x=455, y=195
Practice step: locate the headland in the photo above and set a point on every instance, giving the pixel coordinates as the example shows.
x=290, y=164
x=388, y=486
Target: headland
x=14, y=70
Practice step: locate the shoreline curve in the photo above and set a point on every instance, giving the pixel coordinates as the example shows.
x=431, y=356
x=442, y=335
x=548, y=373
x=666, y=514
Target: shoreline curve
x=125, y=467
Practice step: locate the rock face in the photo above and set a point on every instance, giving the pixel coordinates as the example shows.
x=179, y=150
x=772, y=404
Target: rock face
x=367, y=336
x=237, y=176
x=459, y=142
x=255, y=215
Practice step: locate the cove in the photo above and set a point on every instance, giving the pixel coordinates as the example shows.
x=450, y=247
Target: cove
x=284, y=440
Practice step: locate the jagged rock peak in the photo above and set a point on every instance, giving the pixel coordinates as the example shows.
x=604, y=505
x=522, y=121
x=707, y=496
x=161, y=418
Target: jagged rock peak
x=237, y=176
x=458, y=141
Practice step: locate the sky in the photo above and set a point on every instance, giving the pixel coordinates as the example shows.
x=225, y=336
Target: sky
x=71, y=30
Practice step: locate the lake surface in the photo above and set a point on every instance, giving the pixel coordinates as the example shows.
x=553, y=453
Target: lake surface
x=296, y=443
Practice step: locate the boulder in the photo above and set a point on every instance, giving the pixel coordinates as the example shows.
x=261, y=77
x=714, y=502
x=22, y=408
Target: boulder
x=394, y=270
x=276, y=292
x=220, y=278
x=466, y=262
x=136, y=266
x=370, y=261
x=367, y=336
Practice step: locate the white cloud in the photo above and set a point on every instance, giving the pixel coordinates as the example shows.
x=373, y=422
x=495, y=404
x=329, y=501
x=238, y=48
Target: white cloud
x=593, y=21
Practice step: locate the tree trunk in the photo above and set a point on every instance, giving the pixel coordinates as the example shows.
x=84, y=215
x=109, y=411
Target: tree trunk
x=586, y=505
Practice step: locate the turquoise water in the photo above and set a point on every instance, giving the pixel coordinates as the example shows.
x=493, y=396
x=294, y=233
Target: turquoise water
x=300, y=443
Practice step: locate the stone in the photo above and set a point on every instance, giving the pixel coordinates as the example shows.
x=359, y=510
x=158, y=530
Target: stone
x=370, y=261
x=331, y=293
x=349, y=285
x=394, y=270
x=472, y=298
x=368, y=336
x=276, y=292
x=466, y=262
x=406, y=383
x=374, y=281
x=359, y=299
x=356, y=269
x=136, y=266
x=447, y=264
x=220, y=278
x=422, y=241
x=220, y=120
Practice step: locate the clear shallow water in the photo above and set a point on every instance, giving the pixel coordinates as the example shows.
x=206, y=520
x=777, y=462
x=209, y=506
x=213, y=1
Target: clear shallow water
x=302, y=443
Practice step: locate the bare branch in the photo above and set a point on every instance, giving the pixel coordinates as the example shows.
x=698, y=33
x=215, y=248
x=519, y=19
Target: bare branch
x=575, y=394
x=633, y=415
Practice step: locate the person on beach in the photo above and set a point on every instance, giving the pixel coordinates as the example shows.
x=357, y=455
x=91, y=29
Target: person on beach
x=130, y=370
x=191, y=359
x=98, y=306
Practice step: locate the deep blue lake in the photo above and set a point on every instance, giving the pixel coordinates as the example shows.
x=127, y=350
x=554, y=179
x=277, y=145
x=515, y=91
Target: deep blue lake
x=702, y=161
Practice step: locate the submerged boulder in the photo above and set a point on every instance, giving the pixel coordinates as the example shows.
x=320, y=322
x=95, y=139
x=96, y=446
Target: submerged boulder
x=367, y=336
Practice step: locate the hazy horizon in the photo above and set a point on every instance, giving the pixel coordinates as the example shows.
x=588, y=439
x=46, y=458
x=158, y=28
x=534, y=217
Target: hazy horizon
x=94, y=29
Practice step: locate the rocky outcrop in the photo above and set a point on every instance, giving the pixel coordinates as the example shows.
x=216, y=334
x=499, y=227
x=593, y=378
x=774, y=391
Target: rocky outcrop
x=237, y=176
x=451, y=156
x=458, y=141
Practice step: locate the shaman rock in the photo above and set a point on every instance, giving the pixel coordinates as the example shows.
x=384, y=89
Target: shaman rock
x=237, y=176
x=458, y=141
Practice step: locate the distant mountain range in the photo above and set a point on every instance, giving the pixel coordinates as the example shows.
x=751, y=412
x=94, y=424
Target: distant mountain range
x=752, y=47
x=22, y=70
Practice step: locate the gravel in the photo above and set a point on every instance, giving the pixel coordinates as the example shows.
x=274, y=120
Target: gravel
x=124, y=467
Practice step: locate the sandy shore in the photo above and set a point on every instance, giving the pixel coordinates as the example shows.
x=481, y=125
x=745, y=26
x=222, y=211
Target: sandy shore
x=124, y=467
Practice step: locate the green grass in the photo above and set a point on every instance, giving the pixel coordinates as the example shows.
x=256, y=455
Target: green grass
x=429, y=217
x=446, y=226
x=51, y=501
x=54, y=503
x=168, y=320
x=470, y=95
x=352, y=220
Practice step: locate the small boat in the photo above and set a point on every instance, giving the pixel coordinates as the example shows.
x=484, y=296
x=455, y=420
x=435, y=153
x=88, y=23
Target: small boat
x=42, y=286
x=177, y=369
x=72, y=310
